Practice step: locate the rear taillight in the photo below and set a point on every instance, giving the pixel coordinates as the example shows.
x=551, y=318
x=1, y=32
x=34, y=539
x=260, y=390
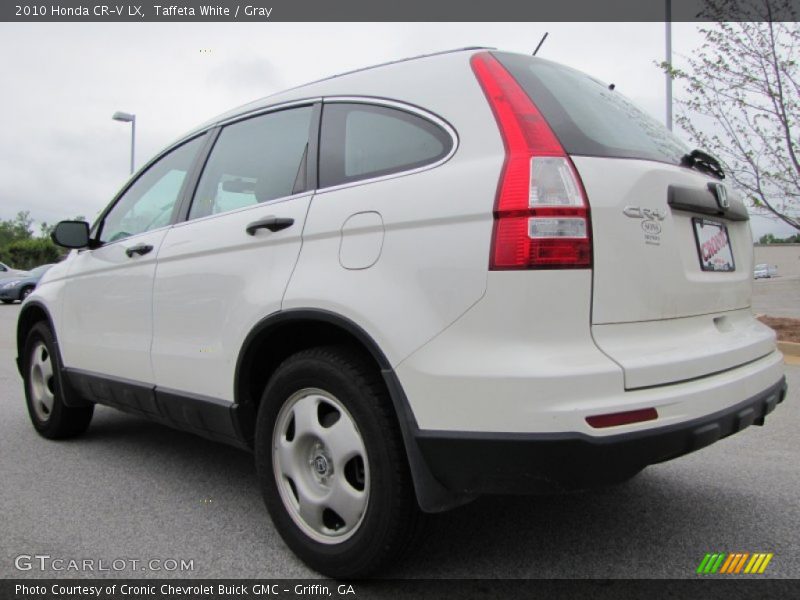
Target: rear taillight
x=541, y=215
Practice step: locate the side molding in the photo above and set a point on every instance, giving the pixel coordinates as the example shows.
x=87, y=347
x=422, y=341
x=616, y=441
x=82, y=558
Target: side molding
x=207, y=417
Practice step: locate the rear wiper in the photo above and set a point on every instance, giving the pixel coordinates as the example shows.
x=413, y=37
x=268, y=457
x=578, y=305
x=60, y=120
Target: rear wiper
x=703, y=162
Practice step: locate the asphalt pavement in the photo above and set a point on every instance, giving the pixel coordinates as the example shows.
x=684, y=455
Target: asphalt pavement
x=133, y=490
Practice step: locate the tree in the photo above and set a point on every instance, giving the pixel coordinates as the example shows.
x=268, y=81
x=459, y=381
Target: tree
x=30, y=253
x=743, y=104
x=767, y=238
x=19, y=247
x=45, y=230
x=17, y=229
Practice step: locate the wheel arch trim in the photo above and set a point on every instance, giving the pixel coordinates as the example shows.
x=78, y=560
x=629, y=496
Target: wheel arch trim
x=284, y=317
x=431, y=495
x=22, y=334
x=68, y=394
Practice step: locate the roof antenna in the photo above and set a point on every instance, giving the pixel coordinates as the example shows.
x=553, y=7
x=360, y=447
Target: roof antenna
x=544, y=37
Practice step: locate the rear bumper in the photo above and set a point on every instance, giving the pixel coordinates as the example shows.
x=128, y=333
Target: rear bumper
x=476, y=462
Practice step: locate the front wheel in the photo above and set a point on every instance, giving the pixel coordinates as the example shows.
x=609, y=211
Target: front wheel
x=331, y=464
x=43, y=390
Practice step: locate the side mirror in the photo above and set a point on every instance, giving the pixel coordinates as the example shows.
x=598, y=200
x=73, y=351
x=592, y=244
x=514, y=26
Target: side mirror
x=71, y=234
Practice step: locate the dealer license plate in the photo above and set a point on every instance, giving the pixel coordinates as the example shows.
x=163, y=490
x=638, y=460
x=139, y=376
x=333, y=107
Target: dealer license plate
x=713, y=246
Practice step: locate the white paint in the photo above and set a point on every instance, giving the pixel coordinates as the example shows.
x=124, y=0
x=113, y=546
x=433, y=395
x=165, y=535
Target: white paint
x=362, y=240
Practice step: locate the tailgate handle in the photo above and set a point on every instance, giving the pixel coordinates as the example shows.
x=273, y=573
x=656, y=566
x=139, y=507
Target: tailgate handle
x=271, y=223
x=704, y=201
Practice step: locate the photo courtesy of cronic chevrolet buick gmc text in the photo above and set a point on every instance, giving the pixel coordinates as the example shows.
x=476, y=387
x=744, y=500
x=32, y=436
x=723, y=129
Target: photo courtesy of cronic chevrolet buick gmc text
x=402, y=287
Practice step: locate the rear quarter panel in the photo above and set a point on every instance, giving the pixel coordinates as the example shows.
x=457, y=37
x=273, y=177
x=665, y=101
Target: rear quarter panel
x=436, y=223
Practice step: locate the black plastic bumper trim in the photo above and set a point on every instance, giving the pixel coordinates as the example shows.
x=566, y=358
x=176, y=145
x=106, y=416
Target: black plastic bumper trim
x=478, y=462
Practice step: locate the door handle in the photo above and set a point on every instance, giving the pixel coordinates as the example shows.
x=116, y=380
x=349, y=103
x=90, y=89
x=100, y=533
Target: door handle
x=139, y=249
x=271, y=223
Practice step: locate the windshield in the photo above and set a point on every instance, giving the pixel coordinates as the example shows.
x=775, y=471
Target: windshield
x=589, y=118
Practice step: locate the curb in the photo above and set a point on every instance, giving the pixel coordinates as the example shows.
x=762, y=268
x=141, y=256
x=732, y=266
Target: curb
x=789, y=348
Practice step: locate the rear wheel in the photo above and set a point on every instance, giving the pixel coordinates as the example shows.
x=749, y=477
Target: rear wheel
x=331, y=464
x=44, y=392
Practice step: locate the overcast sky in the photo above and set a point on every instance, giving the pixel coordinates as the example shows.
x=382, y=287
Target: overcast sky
x=61, y=155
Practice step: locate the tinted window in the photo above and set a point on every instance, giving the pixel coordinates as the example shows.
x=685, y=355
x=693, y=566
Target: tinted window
x=149, y=202
x=587, y=117
x=254, y=161
x=360, y=141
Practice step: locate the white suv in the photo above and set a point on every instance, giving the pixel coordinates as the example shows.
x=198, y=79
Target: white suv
x=402, y=287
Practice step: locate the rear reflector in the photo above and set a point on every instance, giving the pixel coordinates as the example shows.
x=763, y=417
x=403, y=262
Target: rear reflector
x=622, y=418
x=541, y=215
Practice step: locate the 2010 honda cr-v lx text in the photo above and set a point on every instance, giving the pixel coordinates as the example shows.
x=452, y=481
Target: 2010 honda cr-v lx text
x=402, y=287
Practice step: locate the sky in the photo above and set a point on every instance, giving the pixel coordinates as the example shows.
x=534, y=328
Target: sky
x=61, y=154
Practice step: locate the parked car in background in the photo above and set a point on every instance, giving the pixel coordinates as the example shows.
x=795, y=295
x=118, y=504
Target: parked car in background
x=6, y=272
x=18, y=288
x=763, y=271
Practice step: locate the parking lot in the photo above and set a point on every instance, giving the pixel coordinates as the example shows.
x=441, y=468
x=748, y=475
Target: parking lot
x=130, y=489
x=778, y=296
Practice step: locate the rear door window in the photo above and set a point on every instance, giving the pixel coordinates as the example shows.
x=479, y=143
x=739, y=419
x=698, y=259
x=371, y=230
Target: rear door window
x=588, y=117
x=255, y=160
x=362, y=141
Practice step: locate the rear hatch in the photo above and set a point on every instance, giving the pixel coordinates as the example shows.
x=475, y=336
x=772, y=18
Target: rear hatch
x=672, y=247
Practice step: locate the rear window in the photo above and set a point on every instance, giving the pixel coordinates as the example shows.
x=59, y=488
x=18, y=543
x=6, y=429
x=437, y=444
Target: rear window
x=362, y=141
x=589, y=118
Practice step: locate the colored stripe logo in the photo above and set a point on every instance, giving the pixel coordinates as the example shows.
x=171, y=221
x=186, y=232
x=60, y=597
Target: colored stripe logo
x=734, y=563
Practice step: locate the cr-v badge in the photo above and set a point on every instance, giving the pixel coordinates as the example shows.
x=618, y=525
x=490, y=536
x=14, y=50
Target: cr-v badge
x=651, y=218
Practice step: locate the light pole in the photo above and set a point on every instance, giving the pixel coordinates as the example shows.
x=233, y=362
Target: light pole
x=668, y=33
x=128, y=118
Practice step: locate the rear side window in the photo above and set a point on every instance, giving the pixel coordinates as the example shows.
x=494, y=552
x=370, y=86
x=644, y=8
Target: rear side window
x=362, y=141
x=589, y=118
x=255, y=160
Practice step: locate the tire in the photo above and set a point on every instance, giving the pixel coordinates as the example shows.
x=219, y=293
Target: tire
x=44, y=390
x=6, y=301
x=332, y=466
x=24, y=293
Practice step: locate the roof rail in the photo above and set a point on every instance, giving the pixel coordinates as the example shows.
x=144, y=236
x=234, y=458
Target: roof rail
x=392, y=62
